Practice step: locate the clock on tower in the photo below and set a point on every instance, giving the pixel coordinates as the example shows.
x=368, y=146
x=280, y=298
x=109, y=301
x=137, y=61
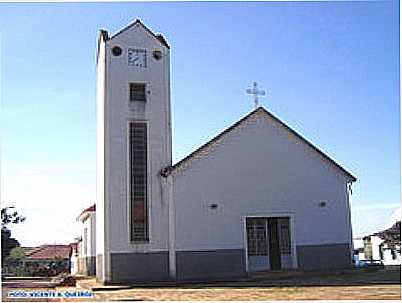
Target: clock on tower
x=137, y=57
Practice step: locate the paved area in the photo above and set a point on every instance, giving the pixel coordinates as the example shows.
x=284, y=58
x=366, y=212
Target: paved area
x=352, y=285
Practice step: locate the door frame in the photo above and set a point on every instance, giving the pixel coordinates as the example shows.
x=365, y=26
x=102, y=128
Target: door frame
x=272, y=215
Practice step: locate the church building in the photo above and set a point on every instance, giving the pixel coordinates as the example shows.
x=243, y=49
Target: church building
x=225, y=210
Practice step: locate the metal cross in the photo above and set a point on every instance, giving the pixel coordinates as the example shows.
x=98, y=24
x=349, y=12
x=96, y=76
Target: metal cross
x=254, y=91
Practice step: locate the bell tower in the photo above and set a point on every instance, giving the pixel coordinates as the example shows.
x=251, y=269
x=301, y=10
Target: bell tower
x=133, y=146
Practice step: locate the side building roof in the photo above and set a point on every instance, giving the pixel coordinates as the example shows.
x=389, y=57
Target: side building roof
x=84, y=214
x=49, y=251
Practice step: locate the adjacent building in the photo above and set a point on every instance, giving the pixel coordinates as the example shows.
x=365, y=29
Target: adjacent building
x=86, y=246
x=383, y=246
x=47, y=260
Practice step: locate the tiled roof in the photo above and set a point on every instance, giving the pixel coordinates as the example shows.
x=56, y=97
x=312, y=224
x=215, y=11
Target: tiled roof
x=49, y=251
x=91, y=208
x=82, y=215
x=28, y=250
x=393, y=231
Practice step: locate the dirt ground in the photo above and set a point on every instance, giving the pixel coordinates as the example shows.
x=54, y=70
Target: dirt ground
x=377, y=285
x=371, y=292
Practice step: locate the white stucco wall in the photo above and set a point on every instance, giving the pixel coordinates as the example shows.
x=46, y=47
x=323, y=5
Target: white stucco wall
x=74, y=264
x=389, y=260
x=258, y=169
x=89, y=224
x=375, y=245
x=386, y=253
x=100, y=150
x=93, y=235
x=119, y=112
x=358, y=243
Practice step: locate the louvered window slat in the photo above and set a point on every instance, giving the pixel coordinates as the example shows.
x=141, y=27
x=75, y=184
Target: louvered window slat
x=137, y=93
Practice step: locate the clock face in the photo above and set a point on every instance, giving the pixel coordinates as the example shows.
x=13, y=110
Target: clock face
x=137, y=57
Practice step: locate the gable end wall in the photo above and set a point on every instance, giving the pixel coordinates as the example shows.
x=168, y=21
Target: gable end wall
x=259, y=169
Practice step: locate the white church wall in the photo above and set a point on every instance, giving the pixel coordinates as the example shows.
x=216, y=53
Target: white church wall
x=157, y=114
x=100, y=153
x=258, y=169
x=101, y=227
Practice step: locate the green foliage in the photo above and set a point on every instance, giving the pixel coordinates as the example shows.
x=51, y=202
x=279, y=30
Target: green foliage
x=10, y=217
x=19, y=272
x=16, y=254
x=7, y=243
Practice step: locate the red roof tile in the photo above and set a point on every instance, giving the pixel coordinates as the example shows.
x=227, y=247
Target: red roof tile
x=92, y=208
x=49, y=251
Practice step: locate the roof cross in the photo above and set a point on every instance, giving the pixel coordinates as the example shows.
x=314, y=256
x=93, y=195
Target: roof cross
x=254, y=91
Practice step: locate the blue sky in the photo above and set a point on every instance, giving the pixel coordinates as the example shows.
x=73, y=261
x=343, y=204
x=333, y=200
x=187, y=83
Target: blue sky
x=331, y=70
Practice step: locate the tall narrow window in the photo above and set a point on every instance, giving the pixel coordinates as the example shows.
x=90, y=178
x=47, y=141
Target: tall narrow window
x=138, y=181
x=137, y=92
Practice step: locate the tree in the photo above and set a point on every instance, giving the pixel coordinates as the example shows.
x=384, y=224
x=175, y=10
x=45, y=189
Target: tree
x=16, y=254
x=8, y=216
x=15, y=261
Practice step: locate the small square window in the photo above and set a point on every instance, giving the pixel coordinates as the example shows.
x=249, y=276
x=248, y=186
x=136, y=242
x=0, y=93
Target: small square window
x=137, y=92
